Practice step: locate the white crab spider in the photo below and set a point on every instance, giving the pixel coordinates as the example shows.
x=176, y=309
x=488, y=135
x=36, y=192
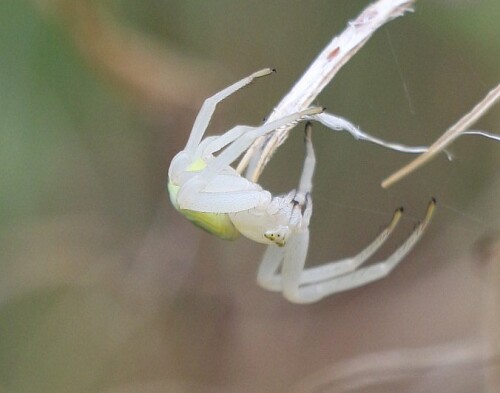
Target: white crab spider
x=213, y=195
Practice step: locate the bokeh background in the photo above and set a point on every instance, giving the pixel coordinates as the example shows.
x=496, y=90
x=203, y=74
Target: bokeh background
x=105, y=288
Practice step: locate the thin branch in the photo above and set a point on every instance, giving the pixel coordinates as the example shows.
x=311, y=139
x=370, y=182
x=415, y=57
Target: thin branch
x=459, y=128
x=319, y=74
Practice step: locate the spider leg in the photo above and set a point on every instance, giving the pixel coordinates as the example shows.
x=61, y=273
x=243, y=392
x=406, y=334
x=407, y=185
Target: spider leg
x=313, y=291
x=292, y=269
x=305, y=183
x=195, y=187
x=308, y=285
x=223, y=140
x=240, y=145
x=211, y=145
x=234, y=133
x=348, y=265
x=207, y=110
x=226, y=202
x=267, y=276
x=273, y=279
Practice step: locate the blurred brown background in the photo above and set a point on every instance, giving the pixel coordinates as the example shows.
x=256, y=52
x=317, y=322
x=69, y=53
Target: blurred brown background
x=105, y=288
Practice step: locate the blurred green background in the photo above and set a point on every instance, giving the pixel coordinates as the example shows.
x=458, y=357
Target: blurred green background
x=105, y=288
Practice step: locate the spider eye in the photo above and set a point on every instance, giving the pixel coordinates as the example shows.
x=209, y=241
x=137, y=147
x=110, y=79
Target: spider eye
x=271, y=236
x=276, y=237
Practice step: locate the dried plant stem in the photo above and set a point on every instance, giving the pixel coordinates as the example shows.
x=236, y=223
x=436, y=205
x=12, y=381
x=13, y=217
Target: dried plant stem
x=491, y=312
x=380, y=368
x=318, y=75
x=459, y=128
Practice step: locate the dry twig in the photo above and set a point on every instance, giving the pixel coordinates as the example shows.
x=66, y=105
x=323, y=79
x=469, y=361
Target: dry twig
x=338, y=51
x=380, y=368
x=459, y=128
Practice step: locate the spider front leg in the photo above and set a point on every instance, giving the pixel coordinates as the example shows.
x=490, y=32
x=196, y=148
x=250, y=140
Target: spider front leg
x=272, y=280
x=301, y=285
x=208, y=108
x=310, y=285
x=365, y=275
x=193, y=194
x=296, y=248
x=316, y=283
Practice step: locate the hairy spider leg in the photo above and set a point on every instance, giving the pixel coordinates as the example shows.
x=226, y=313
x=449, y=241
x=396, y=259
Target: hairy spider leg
x=208, y=108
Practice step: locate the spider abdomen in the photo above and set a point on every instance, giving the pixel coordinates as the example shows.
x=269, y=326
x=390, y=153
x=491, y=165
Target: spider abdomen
x=218, y=224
